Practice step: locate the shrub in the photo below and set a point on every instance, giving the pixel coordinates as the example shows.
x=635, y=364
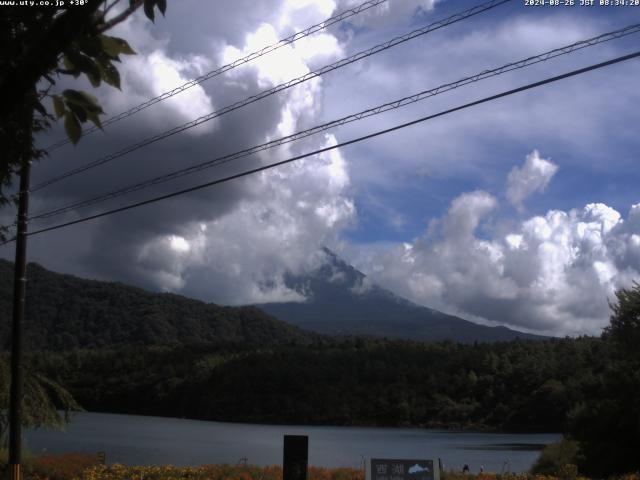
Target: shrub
x=61, y=467
x=558, y=459
x=211, y=472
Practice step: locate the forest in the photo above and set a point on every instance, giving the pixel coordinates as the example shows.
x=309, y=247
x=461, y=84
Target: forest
x=171, y=356
x=65, y=312
x=587, y=388
x=522, y=385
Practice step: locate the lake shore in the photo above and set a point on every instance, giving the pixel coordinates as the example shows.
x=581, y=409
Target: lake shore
x=147, y=441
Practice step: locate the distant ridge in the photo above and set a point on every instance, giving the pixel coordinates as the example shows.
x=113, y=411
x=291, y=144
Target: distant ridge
x=342, y=301
x=65, y=312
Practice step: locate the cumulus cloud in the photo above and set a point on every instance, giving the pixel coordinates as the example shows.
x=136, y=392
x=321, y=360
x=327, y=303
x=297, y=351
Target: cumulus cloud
x=388, y=13
x=532, y=177
x=154, y=71
x=551, y=273
x=232, y=244
x=243, y=256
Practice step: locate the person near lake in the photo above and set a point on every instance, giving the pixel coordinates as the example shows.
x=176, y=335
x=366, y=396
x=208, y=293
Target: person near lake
x=465, y=469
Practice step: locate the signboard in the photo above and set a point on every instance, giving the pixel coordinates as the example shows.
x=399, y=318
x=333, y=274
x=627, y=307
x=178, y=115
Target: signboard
x=401, y=469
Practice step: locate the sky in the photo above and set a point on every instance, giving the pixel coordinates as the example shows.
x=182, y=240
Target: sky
x=521, y=212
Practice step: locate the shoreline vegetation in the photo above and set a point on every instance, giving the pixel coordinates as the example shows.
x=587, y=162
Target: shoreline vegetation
x=80, y=466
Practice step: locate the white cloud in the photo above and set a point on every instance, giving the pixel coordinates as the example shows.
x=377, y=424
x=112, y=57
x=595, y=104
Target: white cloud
x=285, y=215
x=299, y=14
x=552, y=273
x=154, y=71
x=389, y=13
x=532, y=177
x=242, y=256
x=465, y=214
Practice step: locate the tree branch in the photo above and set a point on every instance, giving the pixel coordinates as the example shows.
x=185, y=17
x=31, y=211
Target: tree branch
x=121, y=17
x=109, y=7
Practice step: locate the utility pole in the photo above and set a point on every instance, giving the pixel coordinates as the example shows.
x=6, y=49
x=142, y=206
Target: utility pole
x=19, y=290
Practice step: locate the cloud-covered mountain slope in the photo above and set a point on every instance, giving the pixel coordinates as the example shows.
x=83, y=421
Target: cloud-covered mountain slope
x=341, y=300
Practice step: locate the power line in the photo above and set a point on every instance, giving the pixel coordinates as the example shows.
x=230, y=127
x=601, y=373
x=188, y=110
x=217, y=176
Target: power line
x=344, y=120
x=340, y=145
x=283, y=86
x=225, y=68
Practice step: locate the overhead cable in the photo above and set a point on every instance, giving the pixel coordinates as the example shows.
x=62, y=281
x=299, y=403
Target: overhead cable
x=344, y=120
x=283, y=86
x=225, y=68
x=339, y=145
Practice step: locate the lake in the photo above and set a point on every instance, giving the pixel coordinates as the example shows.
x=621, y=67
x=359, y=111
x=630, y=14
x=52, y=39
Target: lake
x=140, y=440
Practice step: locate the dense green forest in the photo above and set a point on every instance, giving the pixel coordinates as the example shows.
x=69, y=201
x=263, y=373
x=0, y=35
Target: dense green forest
x=64, y=312
x=520, y=385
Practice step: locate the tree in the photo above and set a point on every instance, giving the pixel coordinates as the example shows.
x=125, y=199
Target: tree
x=43, y=400
x=607, y=422
x=38, y=45
x=624, y=328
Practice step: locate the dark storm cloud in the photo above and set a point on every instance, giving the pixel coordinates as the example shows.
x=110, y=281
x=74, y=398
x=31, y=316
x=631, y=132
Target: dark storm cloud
x=167, y=245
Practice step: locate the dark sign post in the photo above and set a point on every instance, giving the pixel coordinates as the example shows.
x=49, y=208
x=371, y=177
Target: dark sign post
x=295, y=457
x=397, y=469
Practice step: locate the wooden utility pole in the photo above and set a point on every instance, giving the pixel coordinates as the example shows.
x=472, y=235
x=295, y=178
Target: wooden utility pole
x=19, y=290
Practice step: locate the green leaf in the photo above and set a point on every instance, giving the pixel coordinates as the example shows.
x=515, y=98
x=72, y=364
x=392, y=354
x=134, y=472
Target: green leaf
x=78, y=111
x=90, y=68
x=82, y=99
x=72, y=127
x=93, y=117
x=90, y=45
x=162, y=6
x=114, y=46
x=110, y=74
x=84, y=64
x=58, y=105
x=94, y=79
x=109, y=46
x=68, y=64
x=148, y=9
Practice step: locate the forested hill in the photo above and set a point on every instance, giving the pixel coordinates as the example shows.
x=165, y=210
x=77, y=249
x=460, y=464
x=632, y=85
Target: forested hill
x=66, y=312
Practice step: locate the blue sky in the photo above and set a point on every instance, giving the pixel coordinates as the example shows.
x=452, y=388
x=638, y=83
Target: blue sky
x=518, y=212
x=585, y=175
x=585, y=126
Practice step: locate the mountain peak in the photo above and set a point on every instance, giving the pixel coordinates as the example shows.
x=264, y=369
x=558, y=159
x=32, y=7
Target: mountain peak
x=342, y=300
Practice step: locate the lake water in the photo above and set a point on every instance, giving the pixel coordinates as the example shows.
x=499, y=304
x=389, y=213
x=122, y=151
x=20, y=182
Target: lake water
x=138, y=440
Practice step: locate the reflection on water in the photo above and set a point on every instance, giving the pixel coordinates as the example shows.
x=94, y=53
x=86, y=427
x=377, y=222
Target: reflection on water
x=138, y=440
x=505, y=446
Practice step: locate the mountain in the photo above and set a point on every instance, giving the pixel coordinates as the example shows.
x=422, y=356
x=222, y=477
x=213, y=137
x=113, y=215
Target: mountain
x=342, y=301
x=65, y=312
